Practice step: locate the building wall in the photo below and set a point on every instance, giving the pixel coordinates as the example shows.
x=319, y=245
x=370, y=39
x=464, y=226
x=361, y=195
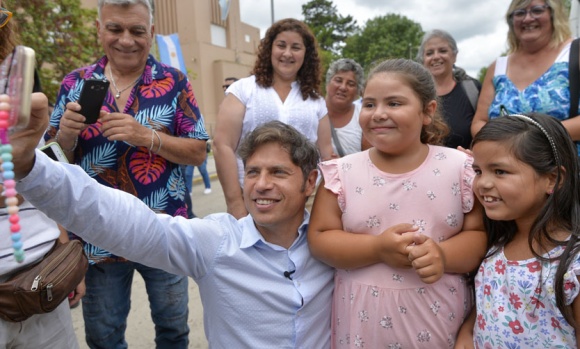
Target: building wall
x=207, y=64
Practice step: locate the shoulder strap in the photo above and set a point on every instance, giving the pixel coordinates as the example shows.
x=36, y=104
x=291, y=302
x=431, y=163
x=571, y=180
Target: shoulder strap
x=472, y=92
x=574, y=76
x=336, y=141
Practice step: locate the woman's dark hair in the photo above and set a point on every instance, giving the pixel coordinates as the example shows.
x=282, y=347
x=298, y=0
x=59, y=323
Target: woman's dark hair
x=308, y=75
x=541, y=142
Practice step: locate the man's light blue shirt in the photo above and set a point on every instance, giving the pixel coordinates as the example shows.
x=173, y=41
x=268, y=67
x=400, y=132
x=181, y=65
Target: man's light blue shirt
x=248, y=301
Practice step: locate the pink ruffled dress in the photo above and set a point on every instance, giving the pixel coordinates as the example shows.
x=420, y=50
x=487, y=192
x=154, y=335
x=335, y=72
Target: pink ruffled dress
x=384, y=307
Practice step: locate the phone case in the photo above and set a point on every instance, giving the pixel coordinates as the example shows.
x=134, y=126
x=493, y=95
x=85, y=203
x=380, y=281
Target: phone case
x=17, y=81
x=91, y=99
x=55, y=152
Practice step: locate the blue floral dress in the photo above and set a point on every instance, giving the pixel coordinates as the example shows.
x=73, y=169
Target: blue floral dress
x=549, y=94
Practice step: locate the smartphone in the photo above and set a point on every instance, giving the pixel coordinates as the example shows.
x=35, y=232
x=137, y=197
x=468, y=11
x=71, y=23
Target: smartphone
x=17, y=81
x=91, y=99
x=55, y=152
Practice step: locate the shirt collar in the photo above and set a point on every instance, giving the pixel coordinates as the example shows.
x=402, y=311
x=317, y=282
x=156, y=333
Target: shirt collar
x=252, y=237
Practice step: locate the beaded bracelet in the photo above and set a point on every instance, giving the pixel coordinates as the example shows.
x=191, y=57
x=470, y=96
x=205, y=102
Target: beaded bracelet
x=9, y=183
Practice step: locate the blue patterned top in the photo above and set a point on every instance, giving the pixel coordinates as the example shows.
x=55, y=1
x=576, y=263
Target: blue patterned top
x=549, y=94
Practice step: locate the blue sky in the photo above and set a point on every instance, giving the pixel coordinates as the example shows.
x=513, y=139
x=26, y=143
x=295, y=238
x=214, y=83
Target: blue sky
x=478, y=26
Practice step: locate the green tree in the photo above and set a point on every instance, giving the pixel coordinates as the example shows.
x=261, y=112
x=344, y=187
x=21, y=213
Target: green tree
x=568, y=5
x=481, y=74
x=383, y=37
x=62, y=34
x=330, y=28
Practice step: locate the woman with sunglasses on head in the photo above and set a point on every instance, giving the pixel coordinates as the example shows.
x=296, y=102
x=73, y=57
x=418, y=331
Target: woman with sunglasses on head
x=52, y=330
x=8, y=39
x=534, y=76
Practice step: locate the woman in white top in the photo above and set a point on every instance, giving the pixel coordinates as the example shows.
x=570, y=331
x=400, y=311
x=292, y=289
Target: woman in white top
x=284, y=86
x=344, y=84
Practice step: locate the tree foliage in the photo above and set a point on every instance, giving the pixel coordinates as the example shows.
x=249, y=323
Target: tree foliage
x=330, y=28
x=383, y=37
x=62, y=34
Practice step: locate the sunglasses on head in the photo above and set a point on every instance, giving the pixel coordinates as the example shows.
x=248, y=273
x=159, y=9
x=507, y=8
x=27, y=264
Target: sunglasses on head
x=5, y=16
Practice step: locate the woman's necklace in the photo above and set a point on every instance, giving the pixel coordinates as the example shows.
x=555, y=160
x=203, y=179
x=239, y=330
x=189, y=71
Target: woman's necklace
x=118, y=94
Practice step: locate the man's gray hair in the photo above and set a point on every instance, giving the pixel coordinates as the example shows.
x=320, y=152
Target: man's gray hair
x=147, y=3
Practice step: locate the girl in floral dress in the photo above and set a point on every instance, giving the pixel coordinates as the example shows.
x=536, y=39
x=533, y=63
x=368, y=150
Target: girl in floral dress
x=527, y=286
x=399, y=221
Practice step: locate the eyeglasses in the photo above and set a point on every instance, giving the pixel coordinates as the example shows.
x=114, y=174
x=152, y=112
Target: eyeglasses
x=5, y=16
x=535, y=12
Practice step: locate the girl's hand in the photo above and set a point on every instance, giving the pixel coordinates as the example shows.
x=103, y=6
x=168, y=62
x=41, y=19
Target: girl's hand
x=464, y=343
x=466, y=151
x=427, y=257
x=393, y=245
x=78, y=293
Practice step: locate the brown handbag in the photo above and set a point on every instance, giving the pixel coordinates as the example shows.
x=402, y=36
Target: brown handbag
x=41, y=287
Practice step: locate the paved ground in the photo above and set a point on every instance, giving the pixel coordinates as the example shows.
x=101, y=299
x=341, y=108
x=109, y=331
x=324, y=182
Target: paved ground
x=140, y=332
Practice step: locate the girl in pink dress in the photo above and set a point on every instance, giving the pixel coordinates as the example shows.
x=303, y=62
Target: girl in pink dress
x=527, y=286
x=399, y=221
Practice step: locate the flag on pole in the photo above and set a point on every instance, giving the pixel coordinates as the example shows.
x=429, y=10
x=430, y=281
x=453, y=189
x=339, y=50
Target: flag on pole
x=170, y=51
x=225, y=6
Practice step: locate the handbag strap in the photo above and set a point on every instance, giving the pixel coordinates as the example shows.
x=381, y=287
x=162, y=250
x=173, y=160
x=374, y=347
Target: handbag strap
x=574, y=76
x=336, y=141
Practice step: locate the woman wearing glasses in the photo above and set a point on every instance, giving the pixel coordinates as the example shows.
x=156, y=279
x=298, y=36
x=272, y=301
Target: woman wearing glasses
x=533, y=77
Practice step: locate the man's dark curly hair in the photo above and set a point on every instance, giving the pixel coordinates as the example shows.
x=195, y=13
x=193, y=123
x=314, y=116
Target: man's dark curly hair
x=309, y=74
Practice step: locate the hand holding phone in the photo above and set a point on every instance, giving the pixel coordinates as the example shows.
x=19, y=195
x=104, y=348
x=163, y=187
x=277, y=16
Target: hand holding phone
x=17, y=81
x=91, y=99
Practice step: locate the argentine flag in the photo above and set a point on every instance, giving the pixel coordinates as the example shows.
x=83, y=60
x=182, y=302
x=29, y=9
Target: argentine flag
x=225, y=6
x=170, y=51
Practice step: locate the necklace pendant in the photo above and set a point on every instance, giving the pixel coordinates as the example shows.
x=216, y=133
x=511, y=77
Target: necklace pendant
x=118, y=95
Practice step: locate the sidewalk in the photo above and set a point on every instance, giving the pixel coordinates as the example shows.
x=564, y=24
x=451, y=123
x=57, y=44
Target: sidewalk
x=140, y=332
